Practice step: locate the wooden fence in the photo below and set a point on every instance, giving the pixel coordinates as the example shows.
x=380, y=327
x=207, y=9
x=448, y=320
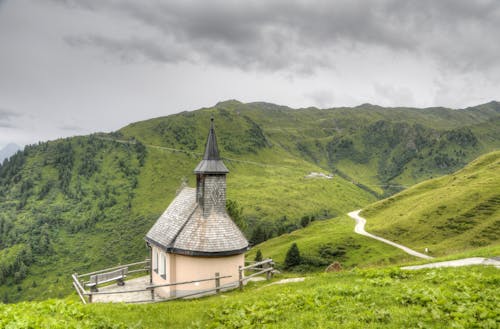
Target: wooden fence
x=265, y=266
x=217, y=288
x=80, y=281
x=86, y=295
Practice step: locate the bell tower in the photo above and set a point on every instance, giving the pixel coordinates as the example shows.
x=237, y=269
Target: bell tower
x=211, y=177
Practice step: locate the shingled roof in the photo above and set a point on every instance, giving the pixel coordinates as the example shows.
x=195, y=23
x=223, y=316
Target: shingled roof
x=182, y=229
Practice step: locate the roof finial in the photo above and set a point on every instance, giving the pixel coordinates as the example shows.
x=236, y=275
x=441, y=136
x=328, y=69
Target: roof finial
x=211, y=149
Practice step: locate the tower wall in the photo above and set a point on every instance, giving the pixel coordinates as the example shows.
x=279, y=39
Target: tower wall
x=212, y=193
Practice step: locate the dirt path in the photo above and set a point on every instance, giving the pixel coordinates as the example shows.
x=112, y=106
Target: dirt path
x=360, y=229
x=457, y=263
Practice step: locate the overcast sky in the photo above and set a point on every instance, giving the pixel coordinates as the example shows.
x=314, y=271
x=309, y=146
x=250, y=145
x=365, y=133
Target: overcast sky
x=70, y=67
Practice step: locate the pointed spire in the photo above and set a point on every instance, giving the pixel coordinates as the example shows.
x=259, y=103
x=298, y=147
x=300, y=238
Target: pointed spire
x=211, y=148
x=211, y=163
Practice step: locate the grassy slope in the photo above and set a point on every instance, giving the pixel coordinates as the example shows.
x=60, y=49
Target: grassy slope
x=389, y=146
x=375, y=146
x=389, y=298
x=338, y=233
x=449, y=214
x=265, y=192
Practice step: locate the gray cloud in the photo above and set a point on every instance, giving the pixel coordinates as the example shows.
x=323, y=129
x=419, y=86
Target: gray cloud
x=71, y=128
x=6, y=117
x=321, y=98
x=130, y=49
x=304, y=36
x=395, y=95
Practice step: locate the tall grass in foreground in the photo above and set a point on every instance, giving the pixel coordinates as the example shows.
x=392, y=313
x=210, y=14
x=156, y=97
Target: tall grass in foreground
x=384, y=298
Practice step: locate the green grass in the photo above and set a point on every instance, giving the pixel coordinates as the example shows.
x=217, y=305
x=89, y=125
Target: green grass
x=450, y=214
x=383, y=298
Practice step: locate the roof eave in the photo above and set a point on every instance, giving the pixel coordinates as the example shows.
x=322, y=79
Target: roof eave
x=185, y=252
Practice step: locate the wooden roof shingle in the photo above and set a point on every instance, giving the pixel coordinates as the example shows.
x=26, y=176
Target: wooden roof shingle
x=182, y=229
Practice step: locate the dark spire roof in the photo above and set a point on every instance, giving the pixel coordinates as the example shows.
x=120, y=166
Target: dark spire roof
x=211, y=149
x=211, y=163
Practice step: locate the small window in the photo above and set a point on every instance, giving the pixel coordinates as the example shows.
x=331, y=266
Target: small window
x=155, y=263
x=163, y=266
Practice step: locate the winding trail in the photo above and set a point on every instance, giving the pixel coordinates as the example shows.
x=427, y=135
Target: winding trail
x=360, y=229
x=457, y=263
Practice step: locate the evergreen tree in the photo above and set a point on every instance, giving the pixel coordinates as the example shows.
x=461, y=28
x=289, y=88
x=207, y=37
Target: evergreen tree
x=258, y=235
x=235, y=211
x=258, y=256
x=292, y=256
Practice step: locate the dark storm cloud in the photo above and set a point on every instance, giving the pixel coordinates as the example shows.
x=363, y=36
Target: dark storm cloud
x=305, y=35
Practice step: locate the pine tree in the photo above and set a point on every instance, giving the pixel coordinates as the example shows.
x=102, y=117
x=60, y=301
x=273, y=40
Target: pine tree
x=258, y=235
x=292, y=256
x=258, y=256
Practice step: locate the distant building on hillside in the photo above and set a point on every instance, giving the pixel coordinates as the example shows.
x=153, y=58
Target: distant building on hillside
x=195, y=237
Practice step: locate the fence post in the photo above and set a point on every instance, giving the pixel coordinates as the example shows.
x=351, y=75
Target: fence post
x=152, y=293
x=217, y=282
x=268, y=273
x=90, y=298
x=240, y=277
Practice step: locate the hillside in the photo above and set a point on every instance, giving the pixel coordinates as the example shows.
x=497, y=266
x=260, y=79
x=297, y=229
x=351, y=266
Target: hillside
x=382, y=149
x=333, y=240
x=83, y=203
x=388, y=298
x=449, y=214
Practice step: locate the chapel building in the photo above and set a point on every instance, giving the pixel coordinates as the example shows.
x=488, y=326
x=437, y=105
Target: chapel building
x=195, y=237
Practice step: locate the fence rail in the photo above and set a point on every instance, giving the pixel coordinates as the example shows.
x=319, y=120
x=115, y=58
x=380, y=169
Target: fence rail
x=87, y=295
x=145, y=262
x=79, y=281
x=265, y=266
